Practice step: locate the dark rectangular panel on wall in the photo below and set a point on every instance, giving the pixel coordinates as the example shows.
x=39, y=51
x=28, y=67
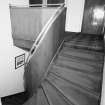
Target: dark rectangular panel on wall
x=87, y=26
x=35, y=1
x=55, y=1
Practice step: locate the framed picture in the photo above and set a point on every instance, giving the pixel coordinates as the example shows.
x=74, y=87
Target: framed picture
x=19, y=61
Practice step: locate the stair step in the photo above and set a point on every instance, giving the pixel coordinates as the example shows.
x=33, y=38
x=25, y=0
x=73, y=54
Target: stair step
x=98, y=43
x=71, y=36
x=76, y=59
x=75, y=38
x=91, y=52
x=75, y=94
x=85, y=45
x=96, y=57
x=85, y=38
x=91, y=82
x=77, y=44
x=54, y=96
x=79, y=66
x=41, y=98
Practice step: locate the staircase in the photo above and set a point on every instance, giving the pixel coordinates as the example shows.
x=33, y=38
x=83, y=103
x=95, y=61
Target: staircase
x=75, y=76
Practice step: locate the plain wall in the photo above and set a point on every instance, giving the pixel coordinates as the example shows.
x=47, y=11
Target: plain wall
x=74, y=15
x=19, y=2
x=11, y=79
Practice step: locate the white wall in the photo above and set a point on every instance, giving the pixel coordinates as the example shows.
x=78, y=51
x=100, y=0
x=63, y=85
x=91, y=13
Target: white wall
x=11, y=80
x=19, y=2
x=74, y=15
x=0, y=102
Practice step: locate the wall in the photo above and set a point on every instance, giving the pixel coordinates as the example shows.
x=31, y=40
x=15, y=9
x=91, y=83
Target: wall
x=27, y=23
x=74, y=15
x=87, y=26
x=19, y=2
x=11, y=79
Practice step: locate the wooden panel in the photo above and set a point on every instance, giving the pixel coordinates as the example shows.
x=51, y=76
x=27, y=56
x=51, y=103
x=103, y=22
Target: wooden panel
x=87, y=26
x=40, y=60
x=27, y=23
x=35, y=1
x=55, y=1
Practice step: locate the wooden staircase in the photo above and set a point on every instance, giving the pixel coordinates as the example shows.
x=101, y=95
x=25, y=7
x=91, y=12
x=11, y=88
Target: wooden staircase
x=75, y=76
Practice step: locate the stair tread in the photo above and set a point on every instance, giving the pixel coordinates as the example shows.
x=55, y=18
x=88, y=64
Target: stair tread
x=74, y=93
x=82, y=54
x=75, y=38
x=91, y=82
x=86, y=41
x=54, y=96
x=41, y=98
x=84, y=37
x=94, y=75
x=71, y=37
x=78, y=65
x=81, y=45
x=95, y=45
x=83, y=51
x=76, y=59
